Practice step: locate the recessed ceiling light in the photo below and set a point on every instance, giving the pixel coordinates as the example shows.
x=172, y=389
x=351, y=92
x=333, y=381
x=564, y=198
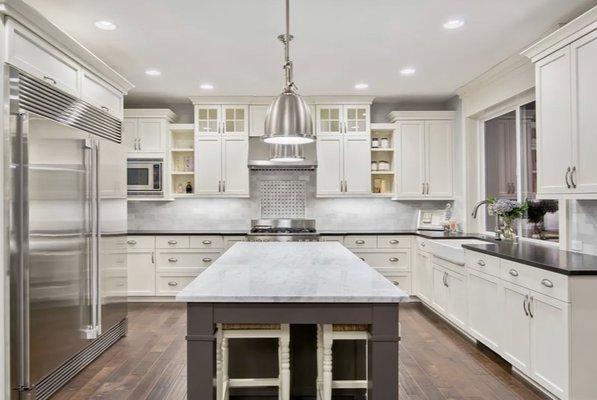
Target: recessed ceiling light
x=454, y=24
x=105, y=25
x=206, y=86
x=152, y=72
x=361, y=86
x=408, y=71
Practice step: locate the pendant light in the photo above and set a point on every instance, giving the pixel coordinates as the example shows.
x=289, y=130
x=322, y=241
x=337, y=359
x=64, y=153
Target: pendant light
x=288, y=119
x=287, y=153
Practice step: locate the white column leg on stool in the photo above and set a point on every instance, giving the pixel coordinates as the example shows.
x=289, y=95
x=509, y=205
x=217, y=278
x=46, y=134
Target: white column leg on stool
x=319, y=381
x=219, y=380
x=225, y=377
x=327, y=361
x=284, y=346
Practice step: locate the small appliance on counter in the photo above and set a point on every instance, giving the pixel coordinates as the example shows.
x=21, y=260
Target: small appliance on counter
x=144, y=177
x=431, y=220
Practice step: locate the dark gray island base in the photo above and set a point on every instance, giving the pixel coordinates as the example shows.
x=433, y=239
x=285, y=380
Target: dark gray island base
x=381, y=317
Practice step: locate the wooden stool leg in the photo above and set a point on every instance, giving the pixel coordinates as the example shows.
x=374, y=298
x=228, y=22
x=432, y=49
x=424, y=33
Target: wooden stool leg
x=328, y=340
x=319, y=381
x=284, y=351
x=219, y=380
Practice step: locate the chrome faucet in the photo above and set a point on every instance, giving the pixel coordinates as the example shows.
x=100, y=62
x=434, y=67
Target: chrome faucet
x=498, y=233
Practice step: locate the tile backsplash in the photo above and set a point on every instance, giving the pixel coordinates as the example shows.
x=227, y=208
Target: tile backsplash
x=235, y=214
x=583, y=224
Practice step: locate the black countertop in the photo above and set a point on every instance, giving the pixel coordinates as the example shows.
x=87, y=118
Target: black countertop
x=167, y=232
x=544, y=257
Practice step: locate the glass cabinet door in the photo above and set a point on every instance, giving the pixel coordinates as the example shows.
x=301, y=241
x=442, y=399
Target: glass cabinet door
x=208, y=119
x=235, y=119
x=329, y=119
x=356, y=119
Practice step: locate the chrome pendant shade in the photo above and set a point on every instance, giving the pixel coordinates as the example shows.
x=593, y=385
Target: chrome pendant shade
x=287, y=153
x=288, y=119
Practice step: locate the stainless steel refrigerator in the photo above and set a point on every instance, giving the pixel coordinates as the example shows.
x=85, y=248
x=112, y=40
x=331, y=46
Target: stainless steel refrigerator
x=67, y=225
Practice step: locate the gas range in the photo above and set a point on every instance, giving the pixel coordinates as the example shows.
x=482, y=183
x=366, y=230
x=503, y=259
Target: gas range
x=283, y=230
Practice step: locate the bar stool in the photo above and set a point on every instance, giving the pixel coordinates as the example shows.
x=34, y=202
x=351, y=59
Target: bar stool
x=326, y=335
x=252, y=331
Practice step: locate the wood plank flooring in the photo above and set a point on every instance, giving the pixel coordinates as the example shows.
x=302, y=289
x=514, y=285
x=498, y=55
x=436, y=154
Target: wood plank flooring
x=436, y=363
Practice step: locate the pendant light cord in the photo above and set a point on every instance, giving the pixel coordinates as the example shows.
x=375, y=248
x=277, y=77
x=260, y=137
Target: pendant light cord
x=290, y=87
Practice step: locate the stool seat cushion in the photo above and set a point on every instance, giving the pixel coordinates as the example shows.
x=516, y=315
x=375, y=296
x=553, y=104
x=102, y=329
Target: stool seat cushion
x=247, y=327
x=350, y=328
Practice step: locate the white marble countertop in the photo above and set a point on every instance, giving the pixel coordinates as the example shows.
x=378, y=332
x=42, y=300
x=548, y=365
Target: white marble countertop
x=299, y=272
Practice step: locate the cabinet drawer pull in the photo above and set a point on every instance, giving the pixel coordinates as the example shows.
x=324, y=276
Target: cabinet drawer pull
x=207, y=259
x=396, y=283
x=481, y=263
x=131, y=241
x=360, y=241
x=206, y=242
x=362, y=259
x=566, y=178
x=50, y=79
x=572, y=175
x=173, y=259
x=394, y=259
x=524, y=305
x=106, y=109
x=172, y=242
x=394, y=241
x=513, y=272
x=547, y=283
x=422, y=244
x=172, y=283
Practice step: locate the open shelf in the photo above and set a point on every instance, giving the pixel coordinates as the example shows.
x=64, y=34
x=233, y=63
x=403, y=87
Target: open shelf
x=383, y=138
x=382, y=172
x=375, y=150
x=182, y=158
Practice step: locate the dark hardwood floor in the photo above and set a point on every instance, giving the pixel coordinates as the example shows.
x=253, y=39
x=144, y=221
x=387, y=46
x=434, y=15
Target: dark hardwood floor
x=436, y=363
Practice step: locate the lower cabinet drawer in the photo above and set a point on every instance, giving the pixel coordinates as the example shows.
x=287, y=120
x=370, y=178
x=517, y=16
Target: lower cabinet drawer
x=170, y=284
x=360, y=242
x=207, y=242
x=140, y=242
x=185, y=259
x=403, y=281
x=482, y=262
x=393, y=242
x=537, y=279
x=172, y=242
x=397, y=259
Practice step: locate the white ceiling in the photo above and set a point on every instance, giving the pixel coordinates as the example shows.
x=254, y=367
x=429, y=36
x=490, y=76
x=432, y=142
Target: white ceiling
x=231, y=43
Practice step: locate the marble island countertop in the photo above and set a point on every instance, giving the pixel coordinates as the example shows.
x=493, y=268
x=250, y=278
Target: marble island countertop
x=294, y=272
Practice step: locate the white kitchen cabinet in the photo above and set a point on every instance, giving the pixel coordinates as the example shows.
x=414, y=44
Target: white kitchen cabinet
x=439, y=293
x=330, y=168
x=208, y=165
x=257, y=120
x=515, y=326
x=357, y=165
x=214, y=119
x=342, y=118
x=102, y=95
x=424, y=277
x=425, y=155
x=456, y=287
x=235, y=173
x=141, y=273
x=129, y=134
x=145, y=131
x=484, y=298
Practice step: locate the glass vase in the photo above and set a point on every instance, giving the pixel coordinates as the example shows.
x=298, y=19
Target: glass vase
x=508, y=231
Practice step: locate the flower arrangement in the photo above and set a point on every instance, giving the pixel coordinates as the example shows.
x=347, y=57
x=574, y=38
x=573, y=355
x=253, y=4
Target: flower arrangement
x=509, y=211
x=536, y=214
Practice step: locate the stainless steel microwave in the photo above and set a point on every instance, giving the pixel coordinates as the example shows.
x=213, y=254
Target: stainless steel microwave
x=144, y=177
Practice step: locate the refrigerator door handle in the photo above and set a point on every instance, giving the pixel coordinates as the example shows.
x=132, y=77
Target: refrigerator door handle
x=97, y=309
x=89, y=331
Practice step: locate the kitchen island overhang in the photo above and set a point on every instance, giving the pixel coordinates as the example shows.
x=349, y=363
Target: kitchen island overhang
x=292, y=283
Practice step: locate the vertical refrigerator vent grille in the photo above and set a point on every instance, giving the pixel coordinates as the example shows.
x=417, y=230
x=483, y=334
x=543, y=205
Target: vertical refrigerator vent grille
x=283, y=199
x=42, y=99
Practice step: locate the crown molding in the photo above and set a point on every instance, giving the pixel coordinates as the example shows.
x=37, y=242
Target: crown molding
x=165, y=113
x=396, y=116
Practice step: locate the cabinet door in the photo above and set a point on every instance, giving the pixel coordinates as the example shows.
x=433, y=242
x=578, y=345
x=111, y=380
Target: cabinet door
x=549, y=343
x=356, y=119
x=129, y=134
x=584, y=120
x=101, y=94
x=554, y=139
x=439, y=296
x=457, y=310
x=516, y=326
x=207, y=119
x=357, y=164
x=257, y=120
x=329, y=169
x=208, y=165
x=141, y=273
x=424, y=277
x=235, y=173
x=412, y=159
x=329, y=119
x=235, y=120
x=152, y=135
x=484, y=308
x=438, y=158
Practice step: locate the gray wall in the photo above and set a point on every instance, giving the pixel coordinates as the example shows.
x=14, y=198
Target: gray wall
x=232, y=214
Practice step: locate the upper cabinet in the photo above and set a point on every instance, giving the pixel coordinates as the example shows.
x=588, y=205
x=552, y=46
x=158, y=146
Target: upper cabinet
x=39, y=57
x=222, y=119
x=565, y=64
x=145, y=132
x=424, y=154
x=343, y=118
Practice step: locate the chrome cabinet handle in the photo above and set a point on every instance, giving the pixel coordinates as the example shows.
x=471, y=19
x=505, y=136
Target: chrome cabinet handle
x=572, y=175
x=427, y=185
x=423, y=188
x=445, y=279
x=422, y=244
x=223, y=186
x=524, y=305
x=530, y=304
x=206, y=242
x=513, y=272
x=172, y=283
x=360, y=241
x=394, y=241
x=566, y=177
x=207, y=259
x=173, y=259
x=106, y=109
x=50, y=79
x=139, y=141
x=362, y=259
x=345, y=186
x=394, y=259
x=152, y=257
x=131, y=241
x=172, y=242
x=396, y=283
x=481, y=263
x=219, y=186
x=547, y=283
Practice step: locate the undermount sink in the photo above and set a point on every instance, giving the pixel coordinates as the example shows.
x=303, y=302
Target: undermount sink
x=451, y=249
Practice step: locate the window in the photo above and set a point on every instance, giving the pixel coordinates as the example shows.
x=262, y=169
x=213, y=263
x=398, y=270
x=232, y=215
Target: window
x=510, y=171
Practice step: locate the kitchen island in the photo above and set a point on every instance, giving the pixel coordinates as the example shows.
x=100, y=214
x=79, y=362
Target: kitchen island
x=292, y=283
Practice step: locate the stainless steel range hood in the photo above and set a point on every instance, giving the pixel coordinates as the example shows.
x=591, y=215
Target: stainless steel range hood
x=259, y=157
